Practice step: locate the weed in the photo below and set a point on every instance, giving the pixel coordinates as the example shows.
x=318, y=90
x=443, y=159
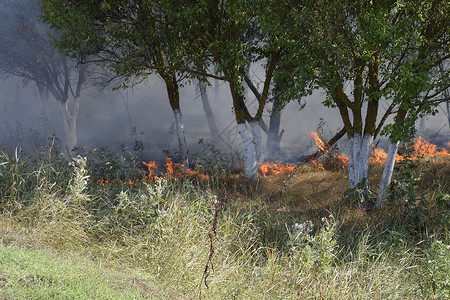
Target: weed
x=359, y=195
x=403, y=194
x=436, y=280
x=315, y=252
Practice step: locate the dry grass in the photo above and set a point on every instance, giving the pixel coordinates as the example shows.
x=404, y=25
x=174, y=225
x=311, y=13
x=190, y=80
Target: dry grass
x=156, y=236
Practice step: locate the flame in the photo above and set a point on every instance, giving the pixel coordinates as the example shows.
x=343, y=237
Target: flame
x=177, y=170
x=173, y=170
x=378, y=156
x=318, y=141
x=323, y=148
x=424, y=148
x=151, y=166
x=421, y=147
x=274, y=168
x=343, y=158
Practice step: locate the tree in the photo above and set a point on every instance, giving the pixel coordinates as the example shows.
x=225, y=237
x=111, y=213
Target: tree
x=227, y=34
x=25, y=51
x=365, y=55
x=133, y=38
x=209, y=114
x=176, y=40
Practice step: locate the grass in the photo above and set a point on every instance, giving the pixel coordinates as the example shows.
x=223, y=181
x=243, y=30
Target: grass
x=38, y=274
x=289, y=236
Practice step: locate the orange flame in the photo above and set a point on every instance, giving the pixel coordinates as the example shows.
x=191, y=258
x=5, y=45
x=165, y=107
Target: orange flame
x=424, y=148
x=174, y=170
x=274, y=168
x=421, y=148
x=318, y=141
x=379, y=156
x=151, y=166
x=343, y=158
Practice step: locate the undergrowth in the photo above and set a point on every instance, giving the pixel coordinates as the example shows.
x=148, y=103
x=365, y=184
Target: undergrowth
x=157, y=237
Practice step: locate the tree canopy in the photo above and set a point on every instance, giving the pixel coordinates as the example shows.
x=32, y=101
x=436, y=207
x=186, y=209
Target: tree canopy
x=374, y=59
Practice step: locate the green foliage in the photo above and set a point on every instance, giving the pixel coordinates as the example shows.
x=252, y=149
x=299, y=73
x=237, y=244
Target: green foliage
x=212, y=160
x=403, y=189
x=134, y=212
x=436, y=279
x=360, y=194
x=12, y=183
x=79, y=181
x=314, y=252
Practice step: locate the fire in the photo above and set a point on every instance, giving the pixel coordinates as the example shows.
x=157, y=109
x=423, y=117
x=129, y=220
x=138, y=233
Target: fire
x=343, y=158
x=421, y=148
x=173, y=170
x=424, y=148
x=318, y=141
x=274, y=168
x=151, y=166
x=379, y=156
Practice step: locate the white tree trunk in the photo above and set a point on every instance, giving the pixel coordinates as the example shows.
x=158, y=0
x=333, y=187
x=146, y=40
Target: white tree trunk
x=182, y=145
x=250, y=158
x=448, y=112
x=209, y=114
x=359, y=154
x=257, y=140
x=216, y=90
x=273, y=136
x=387, y=173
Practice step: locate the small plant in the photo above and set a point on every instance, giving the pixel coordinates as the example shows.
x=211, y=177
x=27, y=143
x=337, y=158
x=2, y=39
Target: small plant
x=437, y=270
x=134, y=211
x=212, y=160
x=359, y=195
x=314, y=251
x=12, y=181
x=403, y=189
x=79, y=181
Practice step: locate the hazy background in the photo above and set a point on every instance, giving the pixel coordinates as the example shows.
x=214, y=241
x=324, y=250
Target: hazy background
x=113, y=118
x=118, y=119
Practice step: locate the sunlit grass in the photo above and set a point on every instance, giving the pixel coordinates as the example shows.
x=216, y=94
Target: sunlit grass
x=37, y=274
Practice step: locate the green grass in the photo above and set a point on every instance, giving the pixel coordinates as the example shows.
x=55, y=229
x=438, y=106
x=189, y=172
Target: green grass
x=39, y=274
x=65, y=236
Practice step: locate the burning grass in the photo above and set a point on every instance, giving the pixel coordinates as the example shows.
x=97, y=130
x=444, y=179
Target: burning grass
x=420, y=149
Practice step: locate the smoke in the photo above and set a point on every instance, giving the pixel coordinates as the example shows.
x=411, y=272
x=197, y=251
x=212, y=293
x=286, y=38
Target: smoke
x=141, y=114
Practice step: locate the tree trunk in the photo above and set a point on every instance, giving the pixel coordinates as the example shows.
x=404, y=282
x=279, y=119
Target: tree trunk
x=216, y=90
x=257, y=140
x=250, y=159
x=273, y=137
x=387, y=173
x=174, y=100
x=448, y=112
x=359, y=155
x=70, y=124
x=209, y=114
x=44, y=95
x=181, y=137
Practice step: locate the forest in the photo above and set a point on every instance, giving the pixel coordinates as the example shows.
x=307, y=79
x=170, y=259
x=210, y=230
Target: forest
x=313, y=172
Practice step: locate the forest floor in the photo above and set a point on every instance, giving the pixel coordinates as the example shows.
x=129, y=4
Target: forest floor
x=66, y=233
